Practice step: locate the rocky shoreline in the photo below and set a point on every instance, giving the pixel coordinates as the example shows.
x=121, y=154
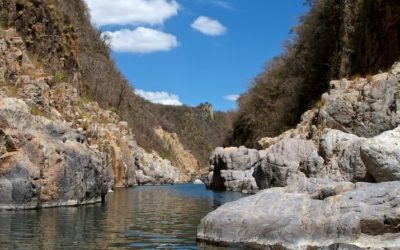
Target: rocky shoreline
x=57, y=149
x=334, y=179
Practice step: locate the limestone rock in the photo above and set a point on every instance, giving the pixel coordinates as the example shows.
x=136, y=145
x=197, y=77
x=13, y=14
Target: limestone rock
x=357, y=216
x=381, y=155
x=57, y=149
x=363, y=107
x=282, y=160
x=152, y=169
x=44, y=170
x=342, y=157
x=232, y=169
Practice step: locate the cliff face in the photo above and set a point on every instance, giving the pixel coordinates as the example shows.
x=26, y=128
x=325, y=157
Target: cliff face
x=330, y=182
x=56, y=148
x=61, y=37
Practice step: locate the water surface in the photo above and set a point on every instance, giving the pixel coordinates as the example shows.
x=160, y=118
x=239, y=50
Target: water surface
x=145, y=217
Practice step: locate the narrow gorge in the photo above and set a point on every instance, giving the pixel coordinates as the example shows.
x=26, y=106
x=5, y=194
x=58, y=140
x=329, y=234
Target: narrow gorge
x=305, y=156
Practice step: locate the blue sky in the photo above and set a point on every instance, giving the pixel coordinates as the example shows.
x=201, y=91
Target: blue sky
x=194, y=51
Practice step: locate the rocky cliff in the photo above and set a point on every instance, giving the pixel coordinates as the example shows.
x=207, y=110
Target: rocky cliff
x=56, y=148
x=331, y=180
x=59, y=35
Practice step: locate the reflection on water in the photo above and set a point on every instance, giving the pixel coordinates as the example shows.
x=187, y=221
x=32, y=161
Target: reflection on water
x=159, y=217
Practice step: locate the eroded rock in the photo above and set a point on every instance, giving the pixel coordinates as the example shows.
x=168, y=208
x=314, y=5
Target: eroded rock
x=282, y=160
x=232, y=169
x=381, y=155
x=360, y=215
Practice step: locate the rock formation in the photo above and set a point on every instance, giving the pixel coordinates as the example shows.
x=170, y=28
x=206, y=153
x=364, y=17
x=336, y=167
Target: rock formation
x=232, y=169
x=185, y=160
x=381, y=155
x=58, y=149
x=314, y=214
x=332, y=180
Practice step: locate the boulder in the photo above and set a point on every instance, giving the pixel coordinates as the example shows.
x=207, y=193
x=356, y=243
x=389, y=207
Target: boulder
x=318, y=214
x=281, y=161
x=342, y=158
x=381, y=155
x=232, y=169
x=198, y=182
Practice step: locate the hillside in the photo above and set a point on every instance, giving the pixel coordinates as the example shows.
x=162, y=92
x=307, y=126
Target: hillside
x=334, y=39
x=60, y=36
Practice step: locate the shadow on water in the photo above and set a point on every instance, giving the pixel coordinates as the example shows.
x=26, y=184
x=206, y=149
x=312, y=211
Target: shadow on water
x=145, y=217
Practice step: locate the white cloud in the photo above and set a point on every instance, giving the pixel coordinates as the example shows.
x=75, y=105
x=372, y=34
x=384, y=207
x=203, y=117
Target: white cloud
x=232, y=98
x=223, y=4
x=128, y=12
x=141, y=40
x=160, y=97
x=208, y=26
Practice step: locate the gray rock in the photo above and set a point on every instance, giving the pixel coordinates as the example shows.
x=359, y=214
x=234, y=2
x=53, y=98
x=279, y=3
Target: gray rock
x=363, y=107
x=360, y=215
x=44, y=170
x=342, y=157
x=381, y=155
x=152, y=169
x=282, y=160
x=232, y=169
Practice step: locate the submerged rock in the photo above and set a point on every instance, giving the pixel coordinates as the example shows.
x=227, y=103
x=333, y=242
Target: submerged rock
x=198, y=182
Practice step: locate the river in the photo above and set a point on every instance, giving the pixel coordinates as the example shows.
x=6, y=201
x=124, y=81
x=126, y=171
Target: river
x=144, y=217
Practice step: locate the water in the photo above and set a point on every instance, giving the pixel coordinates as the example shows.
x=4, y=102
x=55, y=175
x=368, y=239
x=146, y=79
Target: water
x=146, y=217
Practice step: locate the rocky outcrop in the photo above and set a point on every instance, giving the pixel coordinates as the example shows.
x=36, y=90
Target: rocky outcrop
x=48, y=163
x=152, y=169
x=327, y=168
x=57, y=149
x=281, y=161
x=341, y=157
x=381, y=155
x=364, y=107
x=184, y=159
x=312, y=215
x=232, y=169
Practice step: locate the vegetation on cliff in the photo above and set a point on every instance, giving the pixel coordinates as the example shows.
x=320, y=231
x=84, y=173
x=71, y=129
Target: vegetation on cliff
x=334, y=39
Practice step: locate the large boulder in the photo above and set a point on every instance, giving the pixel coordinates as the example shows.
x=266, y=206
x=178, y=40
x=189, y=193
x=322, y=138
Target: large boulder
x=381, y=155
x=317, y=214
x=281, y=161
x=342, y=158
x=232, y=169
